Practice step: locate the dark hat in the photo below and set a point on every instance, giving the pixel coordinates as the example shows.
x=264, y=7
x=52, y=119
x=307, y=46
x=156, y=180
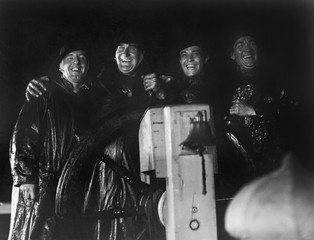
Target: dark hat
x=189, y=40
x=131, y=35
x=67, y=47
x=241, y=31
x=72, y=46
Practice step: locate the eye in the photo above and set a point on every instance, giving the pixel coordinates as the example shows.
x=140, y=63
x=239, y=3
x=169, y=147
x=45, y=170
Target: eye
x=253, y=44
x=133, y=49
x=183, y=55
x=196, y=54
x=120, y=49
x=82, y=57
x=69, y=58
x=239, y=46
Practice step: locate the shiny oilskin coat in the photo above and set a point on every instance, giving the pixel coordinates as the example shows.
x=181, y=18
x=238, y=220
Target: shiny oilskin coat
x=44, y=135
x=259, y=135
x=114, y=192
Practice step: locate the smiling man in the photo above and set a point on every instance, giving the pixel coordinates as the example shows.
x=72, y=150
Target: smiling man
x=192, y=60
x=131, y=81
x=44, y=136
x=245, y=53
x=128, y=57
x=73, y=67
x=251, y=112
x=190, y=83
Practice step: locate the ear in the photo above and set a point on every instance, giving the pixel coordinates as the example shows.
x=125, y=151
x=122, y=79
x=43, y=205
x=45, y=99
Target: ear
x=232, y=56
x=206, y=59
x=141, y=57
x=60, y=66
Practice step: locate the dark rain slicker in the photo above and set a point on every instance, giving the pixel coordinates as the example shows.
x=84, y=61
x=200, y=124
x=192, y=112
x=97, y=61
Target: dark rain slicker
x=94, y=184
x=45, y=133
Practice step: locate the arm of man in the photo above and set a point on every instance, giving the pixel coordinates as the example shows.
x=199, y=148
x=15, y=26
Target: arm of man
x=36, y=87
x=241, y=108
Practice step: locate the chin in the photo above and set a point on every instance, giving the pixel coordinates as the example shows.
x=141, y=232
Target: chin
x=188, y=74
x=126, y=70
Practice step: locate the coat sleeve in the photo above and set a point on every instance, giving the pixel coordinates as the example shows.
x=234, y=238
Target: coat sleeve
x=25, y=143
x=266, y=107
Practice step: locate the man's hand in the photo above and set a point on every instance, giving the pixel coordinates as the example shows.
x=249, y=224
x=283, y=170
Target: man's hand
x=242, y=109
x=36, y=87
x=151, y=82
x=166, y=79
x=28, y=191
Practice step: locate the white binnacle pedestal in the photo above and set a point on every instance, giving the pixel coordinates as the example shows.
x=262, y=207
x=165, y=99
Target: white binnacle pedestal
x=190, y=214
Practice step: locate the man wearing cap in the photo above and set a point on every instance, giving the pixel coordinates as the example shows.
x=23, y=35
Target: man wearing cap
x=251, y=112
x=132, y=87
x=190, y=83
x=130, y=80
x=44, y=135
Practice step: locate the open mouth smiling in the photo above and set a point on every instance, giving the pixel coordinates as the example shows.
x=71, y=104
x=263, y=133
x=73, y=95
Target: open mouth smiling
x=191, y=66
x=75, y=69
x=125, y=61
x=248, y=58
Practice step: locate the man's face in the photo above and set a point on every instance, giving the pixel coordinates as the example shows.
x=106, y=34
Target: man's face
x=74, y=66
x=128, y=57
x=245, y=53
x=192, y=61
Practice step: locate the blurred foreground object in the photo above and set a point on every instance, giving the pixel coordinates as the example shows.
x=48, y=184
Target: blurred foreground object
x=277, y=206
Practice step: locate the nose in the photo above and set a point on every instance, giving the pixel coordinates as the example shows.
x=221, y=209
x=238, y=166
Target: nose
x=76, y=59
x=247, y=48
x=190, y=58
x=127, y=52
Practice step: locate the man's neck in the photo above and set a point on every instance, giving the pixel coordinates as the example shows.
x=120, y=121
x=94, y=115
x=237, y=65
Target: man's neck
x=131, y=74
x=75, y=87
x=247, y=72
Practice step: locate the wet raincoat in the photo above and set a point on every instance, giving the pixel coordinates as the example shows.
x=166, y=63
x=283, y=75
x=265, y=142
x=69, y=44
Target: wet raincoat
x=44, y=135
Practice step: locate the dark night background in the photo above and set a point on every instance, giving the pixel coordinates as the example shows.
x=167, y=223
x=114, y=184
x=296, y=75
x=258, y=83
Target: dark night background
x=31, y=34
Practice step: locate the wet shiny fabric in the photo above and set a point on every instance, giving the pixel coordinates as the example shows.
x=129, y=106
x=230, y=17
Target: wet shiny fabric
x=88, y=185
x=44, y=136
x=26, y=213
x=257, y=135
x=112, y=192
x=129, y=90
x=258, y=125
x=184, y=90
